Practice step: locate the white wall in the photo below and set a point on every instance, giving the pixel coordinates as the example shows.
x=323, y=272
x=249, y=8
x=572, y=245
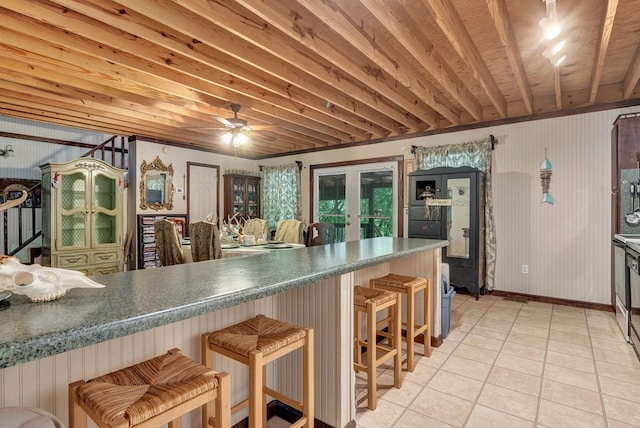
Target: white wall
x=29, y=155
x=566, y=245
x=178, y=158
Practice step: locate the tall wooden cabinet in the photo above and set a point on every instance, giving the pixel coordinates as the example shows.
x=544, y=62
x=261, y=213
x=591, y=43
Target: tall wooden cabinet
x=625, y=148
x=241, y=196
x=82, y=216
x=448, y=203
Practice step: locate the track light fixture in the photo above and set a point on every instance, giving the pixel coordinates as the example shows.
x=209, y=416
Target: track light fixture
x=551, y=30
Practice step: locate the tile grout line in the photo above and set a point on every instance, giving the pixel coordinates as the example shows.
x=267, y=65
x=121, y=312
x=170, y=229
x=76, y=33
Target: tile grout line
x=595, y=367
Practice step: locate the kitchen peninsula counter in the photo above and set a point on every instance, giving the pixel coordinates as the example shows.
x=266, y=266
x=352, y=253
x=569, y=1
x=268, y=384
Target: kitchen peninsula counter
x=138, y=301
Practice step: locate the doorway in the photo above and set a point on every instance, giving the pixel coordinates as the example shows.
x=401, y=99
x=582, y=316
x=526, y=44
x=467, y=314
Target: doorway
x=202, y=191
x=361, y=200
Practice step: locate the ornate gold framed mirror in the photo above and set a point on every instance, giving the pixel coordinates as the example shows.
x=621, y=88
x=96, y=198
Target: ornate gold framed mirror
x=156, y=185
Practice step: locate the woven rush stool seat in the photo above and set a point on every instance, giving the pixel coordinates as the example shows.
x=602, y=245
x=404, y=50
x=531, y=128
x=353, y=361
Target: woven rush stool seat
x=369, y=302
x=409, y=286
x=255, y=343
x=150, y=394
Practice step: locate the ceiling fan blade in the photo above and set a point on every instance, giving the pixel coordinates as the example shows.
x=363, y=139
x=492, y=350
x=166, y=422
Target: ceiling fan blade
x=224, y=121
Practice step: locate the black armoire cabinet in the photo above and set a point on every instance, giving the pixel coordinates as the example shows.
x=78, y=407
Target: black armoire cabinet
x=448, y=203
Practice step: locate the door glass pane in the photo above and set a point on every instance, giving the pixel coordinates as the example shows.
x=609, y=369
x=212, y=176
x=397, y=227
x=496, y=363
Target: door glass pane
x=376, y=204
x=252, y=198
x=73, y=230
x=331, y=202
x=429, y=188
x=105, y=192
x=72, y=191
x=238, y=197
x=459, y=190
x=105, y=229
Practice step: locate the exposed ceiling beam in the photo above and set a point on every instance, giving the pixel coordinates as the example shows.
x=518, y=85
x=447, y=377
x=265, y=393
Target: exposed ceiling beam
x=422, y=50
x=452, y=26
x=76, y=51
x=190, y=42
x=500, y=16
x=185, y=69
x=632, y=76
x=315, y=36
x=557, y=87
x=262, y=36
x=601, y=49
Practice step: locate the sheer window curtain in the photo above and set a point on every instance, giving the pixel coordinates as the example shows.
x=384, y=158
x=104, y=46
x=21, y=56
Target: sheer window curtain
x=281, y=195
x=476, y=154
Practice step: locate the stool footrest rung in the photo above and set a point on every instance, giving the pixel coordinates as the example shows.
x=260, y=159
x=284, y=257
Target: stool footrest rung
x=283, y=398
x=241, y=405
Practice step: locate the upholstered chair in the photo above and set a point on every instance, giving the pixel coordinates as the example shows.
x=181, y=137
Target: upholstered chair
x=255, y=227
x=168, y=245
x=205, y=241
x=289, y=231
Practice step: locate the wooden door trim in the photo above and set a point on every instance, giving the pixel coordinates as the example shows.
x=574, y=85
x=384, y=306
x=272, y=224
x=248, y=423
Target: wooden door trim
x=188, y=183
x=400, y=184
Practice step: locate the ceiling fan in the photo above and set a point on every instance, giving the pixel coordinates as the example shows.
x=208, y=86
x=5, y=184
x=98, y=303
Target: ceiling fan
x=237, y=129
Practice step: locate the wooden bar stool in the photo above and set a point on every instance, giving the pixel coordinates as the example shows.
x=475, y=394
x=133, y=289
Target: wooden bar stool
x=410, y=286
x=369, y=302
x=150, y=394
x=256, y=342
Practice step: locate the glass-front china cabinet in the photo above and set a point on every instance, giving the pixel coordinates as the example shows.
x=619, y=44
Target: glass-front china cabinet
x=448, y=203
x=241, y=196
x=83, y=220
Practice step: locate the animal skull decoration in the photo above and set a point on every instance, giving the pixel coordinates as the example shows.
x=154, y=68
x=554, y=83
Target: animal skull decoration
x=40, y=284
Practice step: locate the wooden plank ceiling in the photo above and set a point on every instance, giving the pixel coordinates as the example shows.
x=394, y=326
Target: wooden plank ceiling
x=308, y=74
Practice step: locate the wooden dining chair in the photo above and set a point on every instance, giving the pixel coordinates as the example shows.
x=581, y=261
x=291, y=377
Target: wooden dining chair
x=205, y=242
x=320, y=234
x=168, y=245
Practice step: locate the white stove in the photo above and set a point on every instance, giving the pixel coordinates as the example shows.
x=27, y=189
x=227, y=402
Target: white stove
x=621, y=277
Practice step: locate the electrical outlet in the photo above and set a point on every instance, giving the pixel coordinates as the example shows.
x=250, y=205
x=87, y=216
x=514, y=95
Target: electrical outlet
x=525, y=268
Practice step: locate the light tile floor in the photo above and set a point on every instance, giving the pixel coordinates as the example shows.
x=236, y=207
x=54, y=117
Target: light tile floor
x=508, y=363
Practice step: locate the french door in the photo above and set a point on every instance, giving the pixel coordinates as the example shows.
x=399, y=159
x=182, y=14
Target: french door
x=361, y=200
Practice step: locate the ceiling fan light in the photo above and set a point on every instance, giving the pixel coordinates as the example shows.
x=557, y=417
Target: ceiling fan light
x=227, y=137
x=241, y=139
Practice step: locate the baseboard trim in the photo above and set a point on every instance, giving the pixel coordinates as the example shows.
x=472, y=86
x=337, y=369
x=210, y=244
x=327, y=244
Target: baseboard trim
x=552, y=300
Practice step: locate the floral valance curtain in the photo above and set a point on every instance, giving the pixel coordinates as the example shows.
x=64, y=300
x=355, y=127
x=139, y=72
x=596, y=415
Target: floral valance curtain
x=475, y=154
x=281, y=197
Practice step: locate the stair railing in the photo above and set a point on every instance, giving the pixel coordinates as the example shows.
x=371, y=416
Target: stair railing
x=27, y=209
x=109, y=146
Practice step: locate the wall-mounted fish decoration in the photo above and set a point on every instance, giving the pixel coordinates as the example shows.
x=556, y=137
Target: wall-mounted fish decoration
x=545, y=179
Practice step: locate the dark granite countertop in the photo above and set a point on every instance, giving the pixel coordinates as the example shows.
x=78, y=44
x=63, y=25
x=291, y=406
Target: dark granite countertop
x=144, y=299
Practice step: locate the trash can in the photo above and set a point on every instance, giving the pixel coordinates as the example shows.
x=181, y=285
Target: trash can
x=446, y=311
x=447, y=294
